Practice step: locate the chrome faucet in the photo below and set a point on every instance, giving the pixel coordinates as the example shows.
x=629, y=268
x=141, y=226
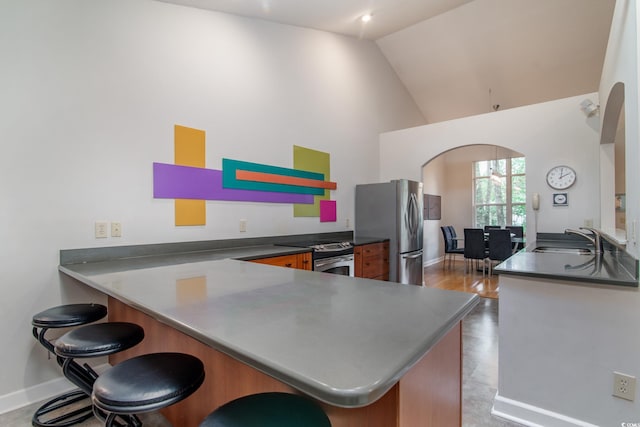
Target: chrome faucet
x=595, y=238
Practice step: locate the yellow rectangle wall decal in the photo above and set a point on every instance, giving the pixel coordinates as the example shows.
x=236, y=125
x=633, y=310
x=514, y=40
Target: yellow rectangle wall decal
x=189, y=149
x=189, y=146
x=312, y=161
x=190, y=212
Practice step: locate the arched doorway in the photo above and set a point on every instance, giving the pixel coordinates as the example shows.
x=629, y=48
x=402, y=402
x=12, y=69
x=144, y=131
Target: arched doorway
x=479, y=184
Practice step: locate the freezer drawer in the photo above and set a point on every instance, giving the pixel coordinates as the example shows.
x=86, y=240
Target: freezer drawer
x=410, y=270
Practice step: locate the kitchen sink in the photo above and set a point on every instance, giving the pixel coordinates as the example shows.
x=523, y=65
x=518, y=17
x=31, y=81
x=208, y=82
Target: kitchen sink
x=559, y=250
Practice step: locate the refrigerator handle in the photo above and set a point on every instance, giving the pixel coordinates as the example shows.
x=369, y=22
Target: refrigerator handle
x=412, y=256
x=413, y=214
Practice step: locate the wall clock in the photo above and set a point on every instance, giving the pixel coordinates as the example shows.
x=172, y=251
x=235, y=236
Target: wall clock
x=561, y=177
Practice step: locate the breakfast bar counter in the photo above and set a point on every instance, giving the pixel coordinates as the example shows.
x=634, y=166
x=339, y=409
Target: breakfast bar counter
x=375, y=353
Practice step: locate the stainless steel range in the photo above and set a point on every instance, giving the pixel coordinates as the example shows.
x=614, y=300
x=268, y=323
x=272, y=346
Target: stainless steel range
x=330, y=257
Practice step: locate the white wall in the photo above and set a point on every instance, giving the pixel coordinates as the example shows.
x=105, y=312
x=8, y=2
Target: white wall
x=91, y=92
x=548, y=134
x=434, y=182
x=559, y=344
x=621, y=65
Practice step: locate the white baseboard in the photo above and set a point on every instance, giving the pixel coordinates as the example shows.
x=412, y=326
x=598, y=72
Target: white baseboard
x=432, y=261
x=39, y=392
x=532, y=416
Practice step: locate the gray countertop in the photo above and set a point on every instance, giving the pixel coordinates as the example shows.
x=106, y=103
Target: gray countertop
x=611, y=268
x=345, y=341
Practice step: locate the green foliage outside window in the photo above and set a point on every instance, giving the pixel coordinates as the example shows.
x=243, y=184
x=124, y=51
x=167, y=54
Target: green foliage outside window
x=500, y=197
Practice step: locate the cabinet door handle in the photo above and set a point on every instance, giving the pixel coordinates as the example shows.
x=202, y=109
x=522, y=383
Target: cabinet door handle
x=288, y=264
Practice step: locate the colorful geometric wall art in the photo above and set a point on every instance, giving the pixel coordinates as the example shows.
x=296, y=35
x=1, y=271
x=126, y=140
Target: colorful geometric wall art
x=191, y=184
x=314, y=161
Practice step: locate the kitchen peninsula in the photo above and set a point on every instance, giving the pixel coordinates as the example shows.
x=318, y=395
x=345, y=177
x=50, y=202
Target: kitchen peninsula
x=562, y=322
x=374, y=353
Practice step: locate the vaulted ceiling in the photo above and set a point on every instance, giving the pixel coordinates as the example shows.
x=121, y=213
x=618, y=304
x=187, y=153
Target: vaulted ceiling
x=463, y=57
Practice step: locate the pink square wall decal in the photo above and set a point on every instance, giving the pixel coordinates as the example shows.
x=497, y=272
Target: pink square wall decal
x=328, y=211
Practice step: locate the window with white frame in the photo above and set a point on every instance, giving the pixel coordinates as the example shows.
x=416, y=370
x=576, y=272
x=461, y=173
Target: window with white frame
x=499, y=192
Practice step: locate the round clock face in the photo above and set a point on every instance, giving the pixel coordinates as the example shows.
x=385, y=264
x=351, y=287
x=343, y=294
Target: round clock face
x=561, y=177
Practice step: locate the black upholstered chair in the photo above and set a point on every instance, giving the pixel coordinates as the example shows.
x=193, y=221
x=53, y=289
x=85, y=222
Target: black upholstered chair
x=517, y=231
x=500, y=247
x=66, y=409
x=146, y=383
x=474, y=248
x=450, y=244
x=268, y=410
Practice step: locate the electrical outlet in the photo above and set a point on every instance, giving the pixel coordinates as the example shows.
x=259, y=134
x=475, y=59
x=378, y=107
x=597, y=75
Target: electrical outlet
x=624, y=386
x=116, y=229
x=101, y=229
x=347, y=222
x=243, y=225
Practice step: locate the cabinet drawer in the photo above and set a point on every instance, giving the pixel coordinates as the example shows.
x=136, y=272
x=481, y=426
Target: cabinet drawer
x=371, y=269
x=374, y=250
x=290, y=261
x=372, y=261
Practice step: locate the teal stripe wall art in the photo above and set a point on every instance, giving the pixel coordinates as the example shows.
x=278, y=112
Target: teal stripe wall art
x=229, y=180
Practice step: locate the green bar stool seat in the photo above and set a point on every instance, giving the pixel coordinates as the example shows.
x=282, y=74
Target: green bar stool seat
x=268, y=410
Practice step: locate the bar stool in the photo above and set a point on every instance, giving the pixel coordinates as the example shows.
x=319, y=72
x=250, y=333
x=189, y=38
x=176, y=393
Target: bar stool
x=63, y=316
x=146, y=383
x=268, y=410
x=100, y=339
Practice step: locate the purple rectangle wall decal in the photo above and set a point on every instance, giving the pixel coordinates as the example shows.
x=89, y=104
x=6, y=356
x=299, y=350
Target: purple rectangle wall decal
x=185, y=182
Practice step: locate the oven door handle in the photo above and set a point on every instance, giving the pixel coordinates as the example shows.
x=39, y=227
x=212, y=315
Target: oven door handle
x=328, y=261
x=335, y=249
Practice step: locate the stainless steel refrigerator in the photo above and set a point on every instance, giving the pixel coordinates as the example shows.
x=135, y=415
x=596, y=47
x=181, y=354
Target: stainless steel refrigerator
x=394, y=210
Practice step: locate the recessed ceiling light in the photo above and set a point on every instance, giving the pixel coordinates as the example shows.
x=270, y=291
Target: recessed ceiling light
x=366, y=17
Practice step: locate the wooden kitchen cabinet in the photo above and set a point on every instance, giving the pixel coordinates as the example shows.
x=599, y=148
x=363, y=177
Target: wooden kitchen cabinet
x=299, y=261
x=372, y=261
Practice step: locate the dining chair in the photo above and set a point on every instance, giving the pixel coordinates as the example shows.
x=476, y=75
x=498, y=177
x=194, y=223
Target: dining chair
x=450, y=244
x=474, y=248
x=517, y=231
x=499, y=246
x=491, y=227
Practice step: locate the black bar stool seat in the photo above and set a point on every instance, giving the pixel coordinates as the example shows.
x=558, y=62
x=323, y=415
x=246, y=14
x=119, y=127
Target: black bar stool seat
x=100, y=339
x=147, y=383
x=63, y=316
x=268, y=410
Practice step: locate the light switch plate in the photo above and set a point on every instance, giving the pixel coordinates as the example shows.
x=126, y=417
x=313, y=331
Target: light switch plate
x=116, y=229
x=101, y=229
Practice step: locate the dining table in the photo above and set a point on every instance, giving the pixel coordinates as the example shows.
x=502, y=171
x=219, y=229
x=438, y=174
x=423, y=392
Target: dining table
x=516, y=241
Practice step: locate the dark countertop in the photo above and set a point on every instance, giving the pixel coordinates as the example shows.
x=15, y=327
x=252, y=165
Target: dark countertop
x=242, y=253
x=122, y=258
x=343, y=340
x=611, y=268
x=359, y=241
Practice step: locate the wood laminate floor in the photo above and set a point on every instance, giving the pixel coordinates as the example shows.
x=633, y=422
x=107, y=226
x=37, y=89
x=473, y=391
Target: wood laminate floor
x=456, y=279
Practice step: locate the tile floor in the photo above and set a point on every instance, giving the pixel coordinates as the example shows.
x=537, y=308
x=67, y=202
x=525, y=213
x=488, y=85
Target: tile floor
x=480, y=375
